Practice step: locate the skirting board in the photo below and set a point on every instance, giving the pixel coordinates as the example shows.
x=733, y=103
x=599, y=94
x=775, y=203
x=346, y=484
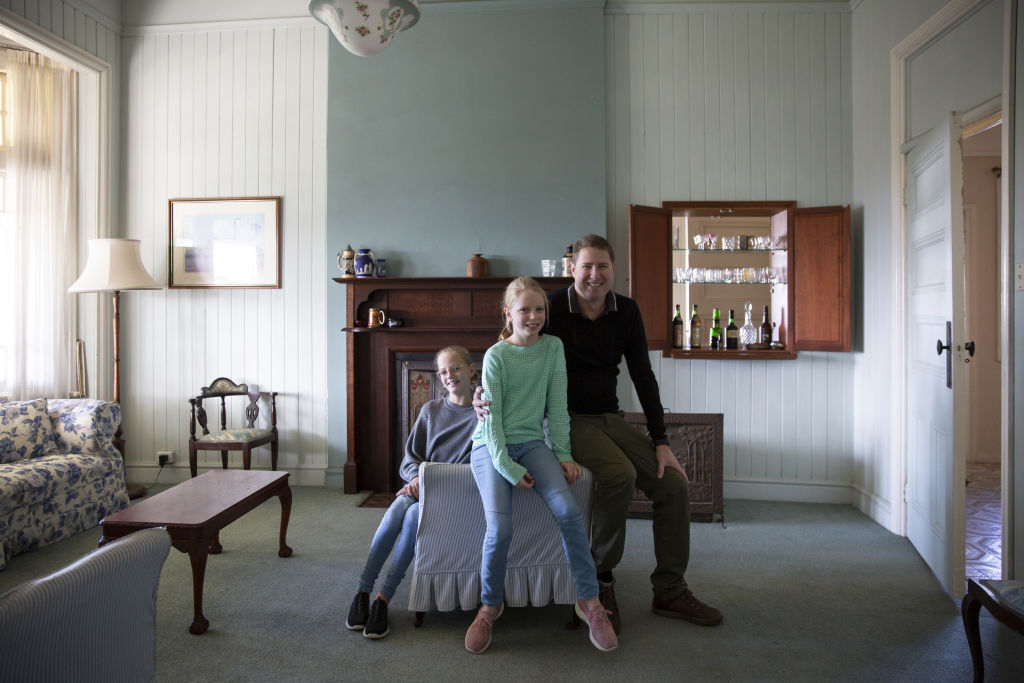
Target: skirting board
x=179, y=472
x=787, y=491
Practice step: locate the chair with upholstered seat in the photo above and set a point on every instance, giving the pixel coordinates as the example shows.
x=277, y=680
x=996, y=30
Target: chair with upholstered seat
x=242, y=439
x=449, y=542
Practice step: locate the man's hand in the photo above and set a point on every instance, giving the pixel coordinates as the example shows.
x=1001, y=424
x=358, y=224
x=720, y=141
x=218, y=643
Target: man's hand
x=663, y=454
x=571, y=470
x=526, y=482
x=480, y=405
x=412, y=489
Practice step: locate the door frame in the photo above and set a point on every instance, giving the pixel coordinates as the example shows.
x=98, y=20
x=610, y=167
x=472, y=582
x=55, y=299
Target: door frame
x=940, y=23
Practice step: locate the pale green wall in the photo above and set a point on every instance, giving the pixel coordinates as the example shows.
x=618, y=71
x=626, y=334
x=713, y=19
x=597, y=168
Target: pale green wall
x=477, y=130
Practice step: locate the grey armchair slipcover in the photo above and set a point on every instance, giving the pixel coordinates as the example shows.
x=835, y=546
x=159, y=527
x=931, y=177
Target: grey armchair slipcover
x=94, y=620
x=446, y=569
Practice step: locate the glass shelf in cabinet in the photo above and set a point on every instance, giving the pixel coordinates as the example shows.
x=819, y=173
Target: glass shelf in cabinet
x=730, y=251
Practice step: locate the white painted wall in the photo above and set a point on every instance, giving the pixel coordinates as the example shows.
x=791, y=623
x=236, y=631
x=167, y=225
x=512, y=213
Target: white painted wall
x=740, y=103
x=981, y=255
x=226, y=112
x=877, y=27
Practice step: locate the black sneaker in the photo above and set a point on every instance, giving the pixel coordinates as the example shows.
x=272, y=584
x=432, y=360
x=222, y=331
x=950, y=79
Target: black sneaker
x=688, y=607
x=377, y=623
x=358, y=612
x=606, y=595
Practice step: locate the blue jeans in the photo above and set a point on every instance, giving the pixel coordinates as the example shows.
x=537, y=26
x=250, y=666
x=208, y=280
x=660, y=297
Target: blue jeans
x=496, y=495
x=400, y=522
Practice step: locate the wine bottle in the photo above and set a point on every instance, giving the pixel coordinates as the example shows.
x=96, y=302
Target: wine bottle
x=732, y=333
x=695, y=329
x=567, y=261
x=677, y=329
x=716, y=328
x=766, y=328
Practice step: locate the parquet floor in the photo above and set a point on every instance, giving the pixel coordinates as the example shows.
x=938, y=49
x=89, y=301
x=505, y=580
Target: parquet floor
x=984, y=522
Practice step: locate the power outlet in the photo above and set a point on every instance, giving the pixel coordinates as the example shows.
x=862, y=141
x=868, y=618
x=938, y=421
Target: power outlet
x=164, y=457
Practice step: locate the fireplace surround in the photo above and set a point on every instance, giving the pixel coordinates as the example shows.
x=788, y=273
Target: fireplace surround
x=435, y=312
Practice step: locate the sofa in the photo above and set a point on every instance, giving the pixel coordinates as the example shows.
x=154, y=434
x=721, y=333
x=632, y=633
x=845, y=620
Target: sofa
x=59, y=471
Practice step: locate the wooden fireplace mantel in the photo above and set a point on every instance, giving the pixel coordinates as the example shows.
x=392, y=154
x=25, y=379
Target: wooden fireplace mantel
x=435, y=312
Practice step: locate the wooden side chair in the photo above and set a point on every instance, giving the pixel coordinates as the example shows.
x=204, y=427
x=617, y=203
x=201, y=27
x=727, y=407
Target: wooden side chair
x=225, y=440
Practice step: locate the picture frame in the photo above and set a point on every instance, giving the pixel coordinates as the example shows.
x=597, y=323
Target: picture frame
x=229, y=242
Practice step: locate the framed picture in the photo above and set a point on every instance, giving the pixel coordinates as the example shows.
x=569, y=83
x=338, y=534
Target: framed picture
x=231, y=242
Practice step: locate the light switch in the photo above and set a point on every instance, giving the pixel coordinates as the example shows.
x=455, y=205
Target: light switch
x=1019, y=277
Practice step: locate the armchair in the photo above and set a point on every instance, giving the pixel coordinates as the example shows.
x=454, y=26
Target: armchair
x=446, y=568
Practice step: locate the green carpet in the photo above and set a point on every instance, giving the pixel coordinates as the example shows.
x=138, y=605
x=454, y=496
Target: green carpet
x=809, y=593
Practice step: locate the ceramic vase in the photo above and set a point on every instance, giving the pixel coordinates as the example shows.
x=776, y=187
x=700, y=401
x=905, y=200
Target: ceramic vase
x=477, y=266
x=364, y=263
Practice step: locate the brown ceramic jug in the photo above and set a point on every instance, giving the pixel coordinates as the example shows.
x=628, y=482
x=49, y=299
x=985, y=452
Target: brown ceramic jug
x=477, y=266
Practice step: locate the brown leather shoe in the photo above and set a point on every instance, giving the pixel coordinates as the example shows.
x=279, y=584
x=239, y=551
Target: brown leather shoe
x=606, y=594
x=687, y=606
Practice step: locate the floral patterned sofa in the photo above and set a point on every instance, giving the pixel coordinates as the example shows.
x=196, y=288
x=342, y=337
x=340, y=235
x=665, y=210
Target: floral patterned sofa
x=59, y=471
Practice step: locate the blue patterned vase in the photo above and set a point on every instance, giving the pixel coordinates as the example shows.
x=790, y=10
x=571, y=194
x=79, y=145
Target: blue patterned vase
x=364, y=263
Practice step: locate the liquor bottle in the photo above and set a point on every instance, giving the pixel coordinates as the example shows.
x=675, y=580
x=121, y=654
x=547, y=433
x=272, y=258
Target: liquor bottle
x=748, y=333
x=694, y=329
x=766, y=328
x=677, y=329
x=567, y=261
x=716, y=329
x=732, y=333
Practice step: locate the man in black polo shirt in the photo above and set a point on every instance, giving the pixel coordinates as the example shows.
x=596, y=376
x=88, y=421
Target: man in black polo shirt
x=599, y=328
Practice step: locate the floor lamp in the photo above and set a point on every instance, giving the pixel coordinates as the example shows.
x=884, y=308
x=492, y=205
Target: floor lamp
x=115, y=265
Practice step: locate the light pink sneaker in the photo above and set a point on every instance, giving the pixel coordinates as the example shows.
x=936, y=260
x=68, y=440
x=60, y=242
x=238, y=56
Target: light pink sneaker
x=478, y=637
x=602, y=635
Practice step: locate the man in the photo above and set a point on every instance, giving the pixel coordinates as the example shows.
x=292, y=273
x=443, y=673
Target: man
x=599, y=328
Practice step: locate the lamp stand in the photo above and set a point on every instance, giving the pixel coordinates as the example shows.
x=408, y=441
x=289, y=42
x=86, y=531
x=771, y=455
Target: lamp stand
x=134, y=490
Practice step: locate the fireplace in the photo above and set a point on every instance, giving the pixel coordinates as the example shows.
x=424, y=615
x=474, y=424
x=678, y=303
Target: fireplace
x=435, y=312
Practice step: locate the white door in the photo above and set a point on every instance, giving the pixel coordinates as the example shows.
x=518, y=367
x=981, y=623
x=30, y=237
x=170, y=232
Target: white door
x=937, y=407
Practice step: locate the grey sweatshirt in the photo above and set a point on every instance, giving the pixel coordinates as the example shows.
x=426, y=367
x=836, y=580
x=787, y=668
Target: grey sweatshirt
x=443, y=432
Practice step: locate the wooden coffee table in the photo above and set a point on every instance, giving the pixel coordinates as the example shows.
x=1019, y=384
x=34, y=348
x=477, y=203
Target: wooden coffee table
x=196, y=510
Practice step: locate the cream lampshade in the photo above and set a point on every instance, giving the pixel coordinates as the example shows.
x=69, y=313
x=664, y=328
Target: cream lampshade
x=114, y=265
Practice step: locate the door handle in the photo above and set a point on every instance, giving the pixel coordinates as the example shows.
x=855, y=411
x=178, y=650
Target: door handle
x=940, y=347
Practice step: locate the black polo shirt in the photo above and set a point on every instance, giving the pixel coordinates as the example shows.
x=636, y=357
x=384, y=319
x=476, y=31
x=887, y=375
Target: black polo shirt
x=595, y=348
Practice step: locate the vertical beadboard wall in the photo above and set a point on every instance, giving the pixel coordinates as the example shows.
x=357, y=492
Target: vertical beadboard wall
x=226, y=110
x=739, y=103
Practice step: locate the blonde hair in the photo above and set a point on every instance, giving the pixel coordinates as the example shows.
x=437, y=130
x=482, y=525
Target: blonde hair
x=463, y=354
x=514, y=290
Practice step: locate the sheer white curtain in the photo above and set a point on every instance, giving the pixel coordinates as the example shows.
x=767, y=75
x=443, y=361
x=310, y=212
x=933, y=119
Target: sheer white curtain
x=40, y=255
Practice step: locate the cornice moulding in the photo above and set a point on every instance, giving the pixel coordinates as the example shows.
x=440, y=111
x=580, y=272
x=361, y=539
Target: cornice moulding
x=620, y=7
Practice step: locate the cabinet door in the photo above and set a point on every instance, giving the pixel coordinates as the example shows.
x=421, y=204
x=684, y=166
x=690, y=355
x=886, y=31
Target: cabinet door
x=650, y=271
x=819, y=242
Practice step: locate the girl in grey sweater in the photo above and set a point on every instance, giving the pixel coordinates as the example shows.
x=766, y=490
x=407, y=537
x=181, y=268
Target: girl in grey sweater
x=443, y=432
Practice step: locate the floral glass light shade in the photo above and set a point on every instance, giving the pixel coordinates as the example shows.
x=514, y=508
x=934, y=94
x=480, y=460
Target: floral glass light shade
x=365, y=27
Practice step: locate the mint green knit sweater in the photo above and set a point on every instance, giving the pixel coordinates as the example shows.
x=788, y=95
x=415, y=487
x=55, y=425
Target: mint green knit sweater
x=524, y=384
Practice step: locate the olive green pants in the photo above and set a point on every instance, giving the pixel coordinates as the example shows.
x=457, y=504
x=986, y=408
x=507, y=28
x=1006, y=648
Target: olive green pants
x=622, y=459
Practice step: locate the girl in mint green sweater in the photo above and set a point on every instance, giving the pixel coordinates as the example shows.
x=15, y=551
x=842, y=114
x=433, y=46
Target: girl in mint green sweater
x=524, y=379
